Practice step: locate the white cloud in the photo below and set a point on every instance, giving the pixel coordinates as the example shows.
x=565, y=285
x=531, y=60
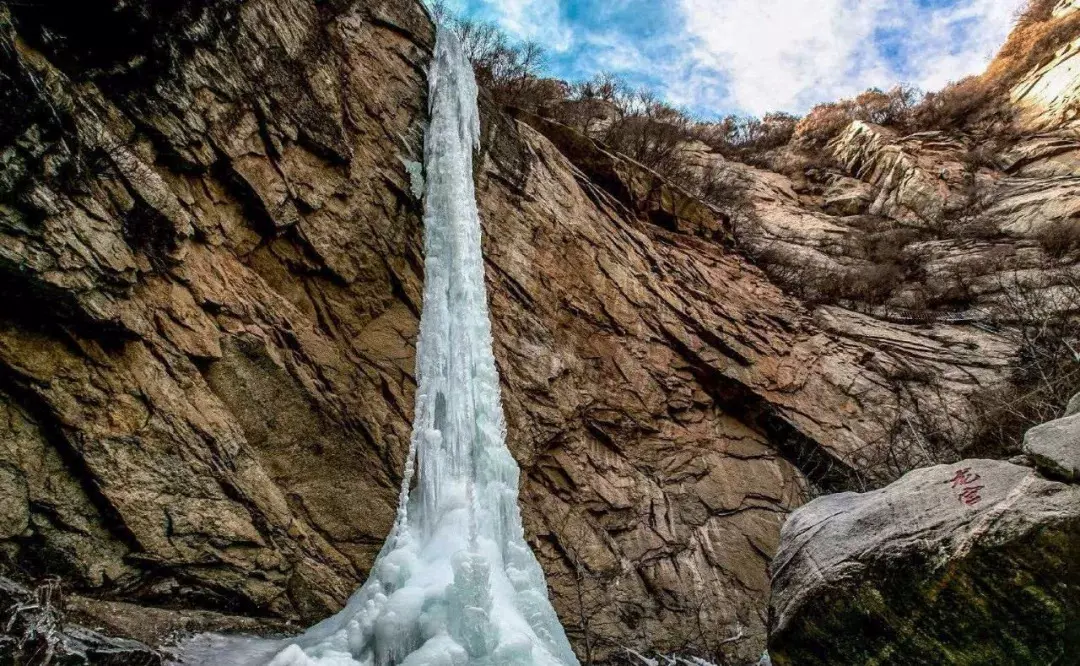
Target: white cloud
x=755, y=56
x=610, y=50
x=766, y=55
x=539, y=20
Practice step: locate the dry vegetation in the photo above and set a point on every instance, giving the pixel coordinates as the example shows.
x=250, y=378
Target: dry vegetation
x=893, y=108
x=641, y=126
x=1040, y=315
x=972, y=101
x=1060, y=240
x=888, y=272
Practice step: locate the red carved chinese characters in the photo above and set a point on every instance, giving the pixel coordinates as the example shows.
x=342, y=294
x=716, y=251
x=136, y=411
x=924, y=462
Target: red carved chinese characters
x=965, y=480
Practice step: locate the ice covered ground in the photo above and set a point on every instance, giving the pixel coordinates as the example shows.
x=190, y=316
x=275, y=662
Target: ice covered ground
x=668, y=661
x=455, y=583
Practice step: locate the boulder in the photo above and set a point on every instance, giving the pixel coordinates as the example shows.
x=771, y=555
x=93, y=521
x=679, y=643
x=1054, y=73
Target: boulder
x=971, y=563
x=848, y=196
x=1073, y=407
x=1055, y=448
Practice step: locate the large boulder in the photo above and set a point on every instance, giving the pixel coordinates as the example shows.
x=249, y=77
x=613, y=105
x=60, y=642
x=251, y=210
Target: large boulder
x=1055, y=447
x=972, y=563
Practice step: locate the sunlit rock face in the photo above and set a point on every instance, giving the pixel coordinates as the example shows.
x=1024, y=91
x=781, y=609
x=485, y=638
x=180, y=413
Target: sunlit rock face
x=1066, y=7
x=213, y=260
x=1047, y=96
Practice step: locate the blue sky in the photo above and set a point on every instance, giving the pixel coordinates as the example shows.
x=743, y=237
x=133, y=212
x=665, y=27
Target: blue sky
x=715, y=57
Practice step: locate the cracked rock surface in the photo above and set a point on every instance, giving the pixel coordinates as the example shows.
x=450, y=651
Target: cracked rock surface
x=211, y=259
x=971, y=563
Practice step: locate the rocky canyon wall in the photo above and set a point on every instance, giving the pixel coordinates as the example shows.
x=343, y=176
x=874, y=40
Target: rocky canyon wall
x=211, y=263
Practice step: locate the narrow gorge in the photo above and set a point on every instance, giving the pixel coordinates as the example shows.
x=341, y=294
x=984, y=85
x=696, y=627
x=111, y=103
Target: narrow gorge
x=212, y=253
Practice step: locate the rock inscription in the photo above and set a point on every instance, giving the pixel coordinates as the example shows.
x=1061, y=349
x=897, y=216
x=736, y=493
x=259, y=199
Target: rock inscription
x=964, y=481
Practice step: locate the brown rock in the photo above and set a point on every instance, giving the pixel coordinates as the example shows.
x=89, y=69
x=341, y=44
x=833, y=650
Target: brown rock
x=214, y=282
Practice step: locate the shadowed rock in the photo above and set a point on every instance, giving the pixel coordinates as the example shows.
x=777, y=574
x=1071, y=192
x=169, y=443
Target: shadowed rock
x=972, y=563
x=35, y=633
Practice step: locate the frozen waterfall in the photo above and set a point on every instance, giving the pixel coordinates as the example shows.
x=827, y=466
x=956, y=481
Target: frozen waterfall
x=455, y=583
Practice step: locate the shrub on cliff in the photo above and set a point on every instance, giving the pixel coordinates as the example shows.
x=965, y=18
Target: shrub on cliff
x=1060, y=239
x=826, y=121
x=510, y=71
x=1037, y=36
x=747, y=138
x=651, y=132
x=1036, y=11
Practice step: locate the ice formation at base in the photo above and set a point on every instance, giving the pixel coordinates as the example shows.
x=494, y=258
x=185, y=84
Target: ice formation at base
x=455, y=584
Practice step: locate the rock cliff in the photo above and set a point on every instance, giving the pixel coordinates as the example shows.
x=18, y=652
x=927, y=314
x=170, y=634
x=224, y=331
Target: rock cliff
x=210, y=251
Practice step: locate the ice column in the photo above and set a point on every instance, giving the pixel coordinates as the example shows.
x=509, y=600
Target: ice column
x=455, y=584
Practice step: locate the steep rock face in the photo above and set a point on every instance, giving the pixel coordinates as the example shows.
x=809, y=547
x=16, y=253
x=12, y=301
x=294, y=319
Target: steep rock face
x=891, y=281
x=881, y=358
x=972, y=563
x=958, y=234
x=1047, y=97
x=211, y=247
x=911, y=186
x=932, y=178
x=643, y=398
x=959, y=208
x=205, y=242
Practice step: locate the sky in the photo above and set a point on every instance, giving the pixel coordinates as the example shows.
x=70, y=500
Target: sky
x=749, y=57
